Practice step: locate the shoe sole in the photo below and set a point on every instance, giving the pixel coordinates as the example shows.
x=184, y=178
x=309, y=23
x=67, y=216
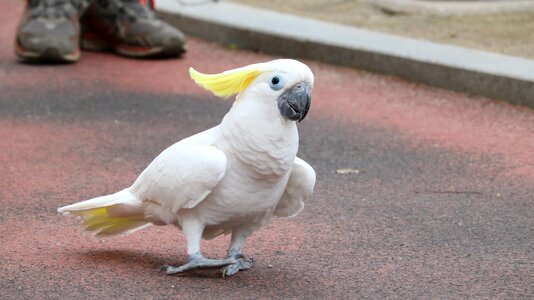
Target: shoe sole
x=50, y=54
x=140, y=52
x=91, y=42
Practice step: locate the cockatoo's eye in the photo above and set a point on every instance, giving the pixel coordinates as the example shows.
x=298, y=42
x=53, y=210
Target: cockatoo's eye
x=276, y=83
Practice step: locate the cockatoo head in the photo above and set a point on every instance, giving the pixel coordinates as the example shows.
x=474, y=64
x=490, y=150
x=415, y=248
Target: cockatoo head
x=286, y=83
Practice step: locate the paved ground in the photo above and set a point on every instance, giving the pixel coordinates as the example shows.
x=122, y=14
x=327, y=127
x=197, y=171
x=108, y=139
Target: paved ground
x=442, y=206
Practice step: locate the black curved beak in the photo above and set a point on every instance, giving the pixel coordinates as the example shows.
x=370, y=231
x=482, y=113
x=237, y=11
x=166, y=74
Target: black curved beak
x=295, y=102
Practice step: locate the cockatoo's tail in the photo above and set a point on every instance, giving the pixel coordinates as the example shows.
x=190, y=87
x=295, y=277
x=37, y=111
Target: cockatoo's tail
x=231, y=178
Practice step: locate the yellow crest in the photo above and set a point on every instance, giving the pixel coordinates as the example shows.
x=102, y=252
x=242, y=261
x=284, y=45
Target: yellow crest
x=227, y=83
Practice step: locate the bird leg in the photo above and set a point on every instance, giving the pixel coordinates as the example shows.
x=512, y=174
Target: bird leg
x=193, y=232
x=197, y=261
x=234, y=252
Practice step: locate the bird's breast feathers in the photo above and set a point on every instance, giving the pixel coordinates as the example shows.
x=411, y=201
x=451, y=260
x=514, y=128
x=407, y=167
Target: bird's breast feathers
x=267, y=149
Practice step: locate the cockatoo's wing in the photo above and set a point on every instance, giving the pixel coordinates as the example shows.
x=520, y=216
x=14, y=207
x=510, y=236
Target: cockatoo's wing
x=181, y=176
x=299, y=189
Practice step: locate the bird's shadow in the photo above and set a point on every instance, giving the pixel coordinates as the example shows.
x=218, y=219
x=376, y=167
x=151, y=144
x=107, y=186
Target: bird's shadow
x=136, y=260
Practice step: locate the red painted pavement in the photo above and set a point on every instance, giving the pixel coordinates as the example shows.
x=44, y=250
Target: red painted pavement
x=443, y=206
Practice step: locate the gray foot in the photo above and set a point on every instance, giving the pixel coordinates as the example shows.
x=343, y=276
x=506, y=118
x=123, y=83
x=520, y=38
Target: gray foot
x=243, y=263
x=199, y=262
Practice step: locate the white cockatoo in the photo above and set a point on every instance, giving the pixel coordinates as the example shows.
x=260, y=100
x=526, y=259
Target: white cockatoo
x=231, y=178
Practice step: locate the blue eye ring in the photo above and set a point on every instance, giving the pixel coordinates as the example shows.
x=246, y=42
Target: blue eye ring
x=276, y=83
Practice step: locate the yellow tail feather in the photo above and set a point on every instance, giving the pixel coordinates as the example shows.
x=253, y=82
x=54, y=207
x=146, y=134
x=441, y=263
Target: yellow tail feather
x=98, y=221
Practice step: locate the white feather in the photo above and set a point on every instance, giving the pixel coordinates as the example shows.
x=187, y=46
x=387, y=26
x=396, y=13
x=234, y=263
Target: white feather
x=299, y=189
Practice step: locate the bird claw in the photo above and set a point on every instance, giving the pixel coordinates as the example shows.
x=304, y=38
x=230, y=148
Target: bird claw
x=169, y=270
x=164, y=268
x=243, y=263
